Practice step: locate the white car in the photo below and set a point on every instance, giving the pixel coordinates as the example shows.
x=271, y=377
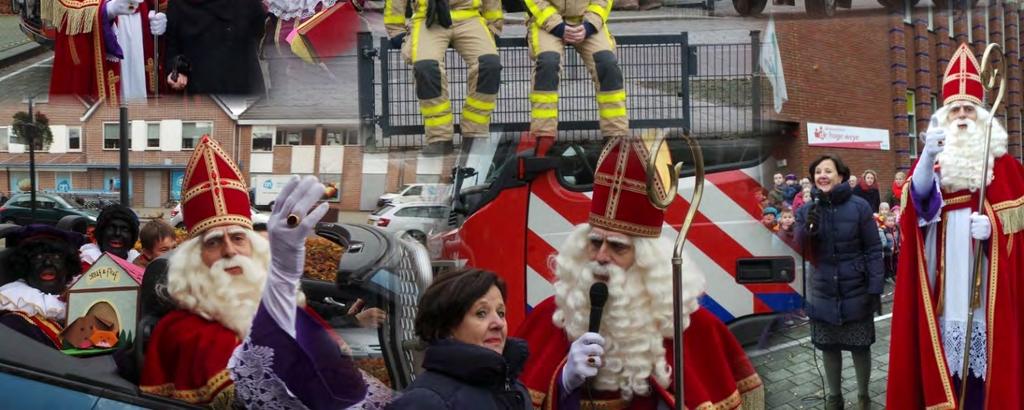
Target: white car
x=177, y=220
x=419, y=220
x=418, y=193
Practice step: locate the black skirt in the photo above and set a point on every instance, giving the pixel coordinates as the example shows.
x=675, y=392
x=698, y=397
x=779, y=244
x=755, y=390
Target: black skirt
x=859, y=335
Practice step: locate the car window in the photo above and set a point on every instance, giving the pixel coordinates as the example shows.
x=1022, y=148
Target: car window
x=438, y=212
x=412, y=211
x=414, y=191
x=20, y=204
x=383, y=210
x=46, y=204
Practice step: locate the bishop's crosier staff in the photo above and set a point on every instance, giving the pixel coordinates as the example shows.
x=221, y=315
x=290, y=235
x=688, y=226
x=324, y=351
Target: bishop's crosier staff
x=662, y=200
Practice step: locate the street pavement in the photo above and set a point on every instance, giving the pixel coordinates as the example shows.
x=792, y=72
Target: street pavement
x=792, y=371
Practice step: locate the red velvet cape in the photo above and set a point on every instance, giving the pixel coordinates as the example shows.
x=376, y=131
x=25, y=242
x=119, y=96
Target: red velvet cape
x=187, y=359
x=918, y=373
x=79, y=64
x=716, y=370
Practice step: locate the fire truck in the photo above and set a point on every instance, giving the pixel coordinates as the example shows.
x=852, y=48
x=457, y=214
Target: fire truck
x=519, y=196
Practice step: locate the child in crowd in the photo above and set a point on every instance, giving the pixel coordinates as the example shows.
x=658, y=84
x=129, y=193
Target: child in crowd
x=769, y=218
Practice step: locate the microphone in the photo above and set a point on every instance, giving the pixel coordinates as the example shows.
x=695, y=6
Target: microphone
x=598, y=297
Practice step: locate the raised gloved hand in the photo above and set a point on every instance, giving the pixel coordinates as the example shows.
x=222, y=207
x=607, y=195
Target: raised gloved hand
x=812, y=220
x=934, y=141
x=981, y=228
x=292, y=220
x=120, y=8
x=584, y=360
x=157, y=23
x=288, y=242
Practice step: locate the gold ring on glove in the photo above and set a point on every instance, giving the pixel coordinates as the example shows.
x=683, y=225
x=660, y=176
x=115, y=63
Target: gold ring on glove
x=293, y=220
x=592, y=361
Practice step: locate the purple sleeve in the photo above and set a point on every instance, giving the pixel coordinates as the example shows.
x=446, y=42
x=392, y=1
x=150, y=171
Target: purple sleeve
x=567, y=400
x=109, y=39
x=927, y=205
x=312, y=365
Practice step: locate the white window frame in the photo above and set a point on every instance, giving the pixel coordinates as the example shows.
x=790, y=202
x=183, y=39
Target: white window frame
x=10, y=131
x=157, y=125
x=81, y=138
x=263, y=128
x=182, y=136
x=908, y=11
x=949, y=11
x=912, y=123
x=970, y=24
x=931, y=18
x=104, y=132
x=987, y=16
x=347, y=134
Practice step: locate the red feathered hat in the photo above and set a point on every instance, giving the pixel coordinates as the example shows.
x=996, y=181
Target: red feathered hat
x=213, y=193
x=962, y=80
x=620, y=202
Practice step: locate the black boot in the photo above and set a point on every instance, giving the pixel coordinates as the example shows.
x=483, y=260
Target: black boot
x=863, y=402
x=438, y=148
x=834, y=402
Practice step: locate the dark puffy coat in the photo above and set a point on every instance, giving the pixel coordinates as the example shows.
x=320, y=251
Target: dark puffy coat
x=870, y=194
x=464, y=376
x=847, y=255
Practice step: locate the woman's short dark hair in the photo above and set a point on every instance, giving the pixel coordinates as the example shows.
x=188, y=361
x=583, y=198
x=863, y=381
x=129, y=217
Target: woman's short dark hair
x=449, y=297
x=841, y=168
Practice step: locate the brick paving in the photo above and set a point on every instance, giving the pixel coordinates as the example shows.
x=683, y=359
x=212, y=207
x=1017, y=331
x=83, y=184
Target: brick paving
x=793, y=374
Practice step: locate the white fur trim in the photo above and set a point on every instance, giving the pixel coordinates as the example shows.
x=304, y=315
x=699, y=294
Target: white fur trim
x=18, y=296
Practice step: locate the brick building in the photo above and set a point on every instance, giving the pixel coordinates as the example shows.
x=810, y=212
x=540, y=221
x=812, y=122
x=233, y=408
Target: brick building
x=883, y=70
x=84, y=157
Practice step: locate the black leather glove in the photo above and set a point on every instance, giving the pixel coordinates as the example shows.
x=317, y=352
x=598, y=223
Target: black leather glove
x=876, y=304
x=181, y=66
x=812, y=221
x=396, y=41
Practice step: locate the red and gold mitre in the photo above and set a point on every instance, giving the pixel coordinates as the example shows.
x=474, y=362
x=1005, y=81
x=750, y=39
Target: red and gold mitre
x=620, y=201
x=962, y=81
x=213, y=193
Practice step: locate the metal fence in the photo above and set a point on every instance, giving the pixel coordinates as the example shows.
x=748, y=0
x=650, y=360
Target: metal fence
x=707, y=89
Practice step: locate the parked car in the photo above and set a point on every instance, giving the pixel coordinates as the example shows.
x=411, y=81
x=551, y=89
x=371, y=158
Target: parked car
x=49, y=209
x=380, y=269
x=417, y=193
x=177, y=220
x=416, y=219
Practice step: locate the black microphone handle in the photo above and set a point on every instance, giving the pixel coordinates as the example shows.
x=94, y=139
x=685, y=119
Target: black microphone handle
x=595, y=319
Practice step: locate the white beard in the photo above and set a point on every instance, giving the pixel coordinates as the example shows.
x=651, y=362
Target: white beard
x=637, y=316
x=214, y=294
x=961, y=159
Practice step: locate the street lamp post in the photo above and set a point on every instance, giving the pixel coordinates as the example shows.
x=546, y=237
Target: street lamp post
x=124, y=154
x=31, y=131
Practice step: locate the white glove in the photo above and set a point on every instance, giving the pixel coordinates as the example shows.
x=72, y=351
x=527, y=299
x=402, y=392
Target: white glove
x=577, y=368
x=157, y=23
x=288, y=246
x=934, y=141
x=981, y=228
x=119, y=8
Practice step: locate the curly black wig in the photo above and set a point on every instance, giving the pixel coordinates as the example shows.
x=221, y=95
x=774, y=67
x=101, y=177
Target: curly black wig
x=19, y=263
x=114, y=212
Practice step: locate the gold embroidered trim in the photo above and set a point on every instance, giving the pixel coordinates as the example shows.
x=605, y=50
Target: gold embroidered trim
x=749, y=382
x=1012, y=219
x=753, y=400
x=112, y=80
x=537, y=398
x=730, y=402
x=70, y=17
x=956, y=200
x=993, y=281
x=219, y=220
x=203, y=394
x=624, y=227
x=611, y=404
x=940, y=359
x=1013, y=203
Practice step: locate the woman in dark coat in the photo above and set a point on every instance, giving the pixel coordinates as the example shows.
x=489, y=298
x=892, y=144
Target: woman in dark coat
x=469, y=363
x=839, y=235
x=868, y=189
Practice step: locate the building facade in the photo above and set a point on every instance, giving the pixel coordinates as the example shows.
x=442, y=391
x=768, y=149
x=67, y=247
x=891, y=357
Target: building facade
x=84, y=155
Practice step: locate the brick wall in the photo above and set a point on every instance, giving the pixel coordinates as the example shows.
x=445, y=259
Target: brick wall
x=6, y=6
x=833, y=80
x=351, y=178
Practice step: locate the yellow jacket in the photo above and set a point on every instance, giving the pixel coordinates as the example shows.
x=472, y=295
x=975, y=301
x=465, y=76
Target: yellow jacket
x=548, y=14
x=489, y=10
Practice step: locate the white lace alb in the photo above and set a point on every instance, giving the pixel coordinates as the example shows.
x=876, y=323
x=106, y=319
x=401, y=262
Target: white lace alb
x=257, y=386
x=291, y=9
x=953, y=335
